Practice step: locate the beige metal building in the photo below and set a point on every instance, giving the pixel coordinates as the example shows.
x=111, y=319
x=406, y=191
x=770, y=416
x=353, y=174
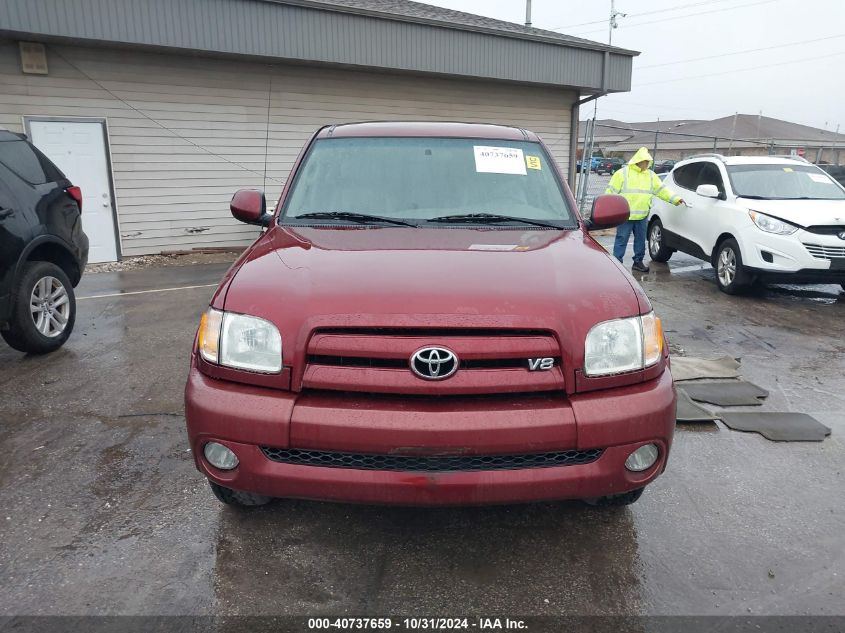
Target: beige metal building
x=160, y=109
x=736, y=135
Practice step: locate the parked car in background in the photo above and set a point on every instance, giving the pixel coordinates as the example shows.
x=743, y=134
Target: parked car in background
x=663, y=166
x=755, y=219
x=609, y=165
x=594, y=161
x=360, y=350
x=43, y=250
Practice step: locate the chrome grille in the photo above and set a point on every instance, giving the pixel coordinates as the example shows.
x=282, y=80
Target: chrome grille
x=825, y=252
x=492, y=361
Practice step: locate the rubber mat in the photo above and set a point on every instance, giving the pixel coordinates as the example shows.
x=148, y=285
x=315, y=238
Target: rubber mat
x=725, y=394
x=689, y=411
x=691, y=368
x=778, y=427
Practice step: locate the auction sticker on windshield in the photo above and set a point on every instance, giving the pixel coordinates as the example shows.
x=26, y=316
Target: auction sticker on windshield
x=499, y=160
x=820, y=178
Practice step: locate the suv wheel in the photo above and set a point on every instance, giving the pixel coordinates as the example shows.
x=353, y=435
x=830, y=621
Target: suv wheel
x=43, y=309
x=731, y=276
x=625, y=499
x=238, y=497
x=657, y=250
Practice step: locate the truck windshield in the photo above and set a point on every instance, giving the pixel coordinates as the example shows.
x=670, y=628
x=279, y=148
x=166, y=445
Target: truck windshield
x=784, y=182
x=420, y=179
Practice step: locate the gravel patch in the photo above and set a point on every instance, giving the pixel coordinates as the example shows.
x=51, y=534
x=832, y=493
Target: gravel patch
x=158, y=261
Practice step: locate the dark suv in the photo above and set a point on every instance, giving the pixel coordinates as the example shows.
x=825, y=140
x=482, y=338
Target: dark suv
x=43, y=250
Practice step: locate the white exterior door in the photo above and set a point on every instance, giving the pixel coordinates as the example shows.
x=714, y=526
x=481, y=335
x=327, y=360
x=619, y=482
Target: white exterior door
x=79, y=149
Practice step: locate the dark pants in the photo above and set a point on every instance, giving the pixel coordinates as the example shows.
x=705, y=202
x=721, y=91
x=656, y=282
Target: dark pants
x=623, y=233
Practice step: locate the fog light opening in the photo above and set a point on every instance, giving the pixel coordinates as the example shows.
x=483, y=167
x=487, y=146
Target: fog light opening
x=220, y=456
x=642, y=459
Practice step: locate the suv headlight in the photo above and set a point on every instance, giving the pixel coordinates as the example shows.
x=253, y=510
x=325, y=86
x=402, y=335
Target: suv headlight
x=240, y=341
x=771, y=225
x=621, y=345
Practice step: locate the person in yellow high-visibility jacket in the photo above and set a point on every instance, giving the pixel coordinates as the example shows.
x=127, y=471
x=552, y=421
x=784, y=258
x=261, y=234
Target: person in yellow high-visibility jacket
x=639, y=185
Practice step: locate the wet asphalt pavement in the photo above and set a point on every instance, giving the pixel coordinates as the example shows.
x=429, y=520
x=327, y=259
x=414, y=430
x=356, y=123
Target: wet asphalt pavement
x=104, y=513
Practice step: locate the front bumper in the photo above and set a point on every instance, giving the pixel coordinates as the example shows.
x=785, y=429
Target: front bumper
x=786, y=258
x=246, y=418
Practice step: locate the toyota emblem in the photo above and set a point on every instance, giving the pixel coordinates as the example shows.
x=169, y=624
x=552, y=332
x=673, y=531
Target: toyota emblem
x=434, y=363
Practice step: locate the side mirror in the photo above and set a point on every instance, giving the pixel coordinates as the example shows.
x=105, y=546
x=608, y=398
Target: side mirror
x=609, y=210
x=708, y=191
x=249, y=205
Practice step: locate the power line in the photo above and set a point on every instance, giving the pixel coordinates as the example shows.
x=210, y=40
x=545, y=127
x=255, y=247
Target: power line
x=675, y=8
x=748, y=50
x=164, y=127
x=738, y=70
x=651, y=106
x=680, y=17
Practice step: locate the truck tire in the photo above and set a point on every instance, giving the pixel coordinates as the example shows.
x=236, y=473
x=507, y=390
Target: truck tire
x=43, y=309
x=238, y=497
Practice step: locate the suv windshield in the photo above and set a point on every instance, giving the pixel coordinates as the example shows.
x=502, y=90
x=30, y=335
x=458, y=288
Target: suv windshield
x=784, y=182
x=420, y=179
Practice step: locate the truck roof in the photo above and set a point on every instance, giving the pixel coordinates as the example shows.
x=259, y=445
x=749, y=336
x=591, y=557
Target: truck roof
x=438, y=129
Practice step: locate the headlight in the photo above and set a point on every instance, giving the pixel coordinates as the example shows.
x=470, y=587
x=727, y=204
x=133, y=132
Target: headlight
x=621, y=345
x=240, y=341
x=771, y=225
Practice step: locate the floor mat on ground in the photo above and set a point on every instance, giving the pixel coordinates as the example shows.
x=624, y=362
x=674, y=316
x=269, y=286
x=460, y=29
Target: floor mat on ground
x=778, y=427
x=689, y=411
x=691, y=368
x=725, y=394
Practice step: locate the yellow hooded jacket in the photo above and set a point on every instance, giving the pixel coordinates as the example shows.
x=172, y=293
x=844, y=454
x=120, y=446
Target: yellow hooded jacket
x=640, y=186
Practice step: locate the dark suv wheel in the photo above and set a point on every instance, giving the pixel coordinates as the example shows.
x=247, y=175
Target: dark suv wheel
x=43, y=309
x=731, y=276
x=657, y=249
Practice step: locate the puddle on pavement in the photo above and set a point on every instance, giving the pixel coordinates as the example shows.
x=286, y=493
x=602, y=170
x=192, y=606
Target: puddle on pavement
x=335, y=558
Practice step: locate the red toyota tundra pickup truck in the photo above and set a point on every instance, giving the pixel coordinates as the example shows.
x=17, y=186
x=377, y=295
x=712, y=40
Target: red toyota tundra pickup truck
x=426, y=320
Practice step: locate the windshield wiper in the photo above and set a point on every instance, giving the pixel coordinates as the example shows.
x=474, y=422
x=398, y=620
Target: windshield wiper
x=361, y=218
x=491, y=218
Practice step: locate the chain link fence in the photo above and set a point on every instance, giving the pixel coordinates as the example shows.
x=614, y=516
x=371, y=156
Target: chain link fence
x=604, y=148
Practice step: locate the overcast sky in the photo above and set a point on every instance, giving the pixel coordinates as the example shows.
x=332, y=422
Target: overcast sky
x=803, y=79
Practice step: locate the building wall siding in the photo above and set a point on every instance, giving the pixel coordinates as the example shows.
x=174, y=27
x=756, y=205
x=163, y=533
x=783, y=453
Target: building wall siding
x=185, y=131
x=281, y=31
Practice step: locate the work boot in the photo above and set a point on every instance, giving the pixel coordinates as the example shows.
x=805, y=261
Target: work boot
x=639, y=266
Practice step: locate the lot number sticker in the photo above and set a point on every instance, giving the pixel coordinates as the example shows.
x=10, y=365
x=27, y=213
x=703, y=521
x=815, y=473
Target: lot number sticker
x=820, y=178
x=533, y=162
x=499, y=160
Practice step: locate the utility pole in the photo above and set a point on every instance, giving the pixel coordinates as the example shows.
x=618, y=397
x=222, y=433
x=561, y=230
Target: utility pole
x=527, y=12
x=612, y=24
x=833, y=156
x=733, y=133
x=656, y=132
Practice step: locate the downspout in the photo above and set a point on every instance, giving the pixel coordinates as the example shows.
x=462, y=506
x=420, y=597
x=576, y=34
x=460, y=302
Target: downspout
x=574, y=115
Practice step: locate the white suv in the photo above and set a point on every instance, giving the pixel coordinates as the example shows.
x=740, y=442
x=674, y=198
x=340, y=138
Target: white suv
x=754, y=218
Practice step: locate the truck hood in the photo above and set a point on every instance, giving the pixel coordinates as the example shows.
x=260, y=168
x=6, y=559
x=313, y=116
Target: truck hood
x=308, y=278
x=801, y=212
